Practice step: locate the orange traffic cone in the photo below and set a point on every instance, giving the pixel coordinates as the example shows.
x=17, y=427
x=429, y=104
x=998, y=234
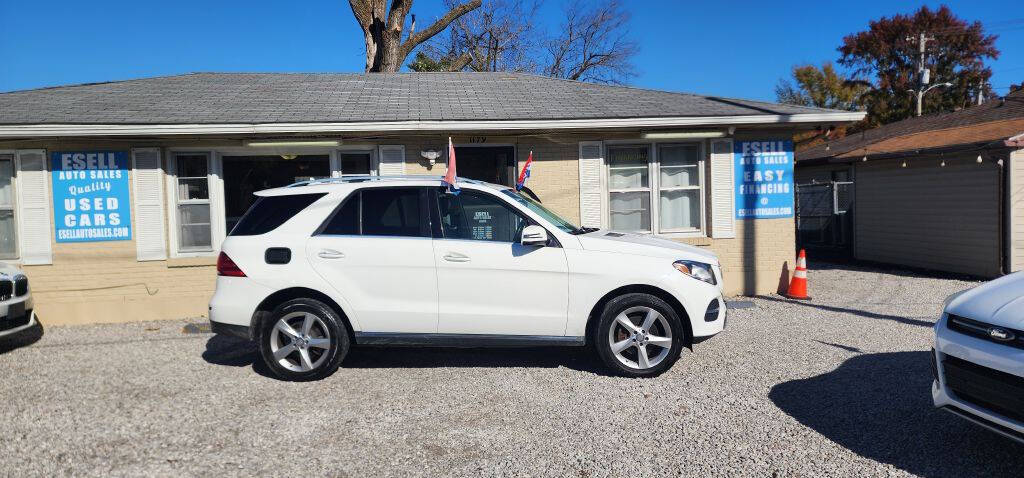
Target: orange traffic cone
x=798, y=286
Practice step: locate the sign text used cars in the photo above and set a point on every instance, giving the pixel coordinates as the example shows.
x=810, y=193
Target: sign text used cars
x=90, y=196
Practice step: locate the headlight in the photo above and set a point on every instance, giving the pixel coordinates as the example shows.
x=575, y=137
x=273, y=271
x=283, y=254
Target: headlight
x=697, y=270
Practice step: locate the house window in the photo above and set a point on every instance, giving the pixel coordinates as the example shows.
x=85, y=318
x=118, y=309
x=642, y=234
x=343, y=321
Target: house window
x=8, y=223
x=193, y=202
x=629, y=188
x=662, y=194
x=357, y=162
x=680, y=185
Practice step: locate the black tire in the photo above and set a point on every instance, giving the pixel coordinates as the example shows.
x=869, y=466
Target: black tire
x=608, y=328
x=326, y=322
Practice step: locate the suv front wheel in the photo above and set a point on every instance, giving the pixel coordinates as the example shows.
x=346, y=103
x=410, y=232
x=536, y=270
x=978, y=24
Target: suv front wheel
x=638, y=335
x=303, y=339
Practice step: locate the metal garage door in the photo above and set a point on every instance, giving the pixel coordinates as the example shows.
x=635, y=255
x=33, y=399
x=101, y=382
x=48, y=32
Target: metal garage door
x=925, y=215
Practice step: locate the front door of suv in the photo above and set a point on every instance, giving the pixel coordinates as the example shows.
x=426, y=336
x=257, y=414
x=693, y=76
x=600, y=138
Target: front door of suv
x=375, y=250
x=489, y=283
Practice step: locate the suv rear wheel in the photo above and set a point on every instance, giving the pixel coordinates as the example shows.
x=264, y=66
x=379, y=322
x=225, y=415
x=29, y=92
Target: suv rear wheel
x=638, y=335
x=303, y=339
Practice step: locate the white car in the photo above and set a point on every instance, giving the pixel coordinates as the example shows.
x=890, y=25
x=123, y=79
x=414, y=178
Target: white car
x=16, y=312
x=978, y=362
x=317, y=266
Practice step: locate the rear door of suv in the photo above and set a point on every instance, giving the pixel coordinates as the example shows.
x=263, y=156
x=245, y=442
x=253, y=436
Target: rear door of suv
x=376, y=251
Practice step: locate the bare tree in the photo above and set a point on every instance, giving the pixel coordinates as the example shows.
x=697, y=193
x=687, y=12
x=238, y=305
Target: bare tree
x=382, y=30
x=499, y=36
x=593, y=44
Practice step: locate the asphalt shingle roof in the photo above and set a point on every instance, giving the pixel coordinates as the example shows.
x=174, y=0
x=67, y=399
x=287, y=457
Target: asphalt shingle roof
x=993, y=120
x=254, y=98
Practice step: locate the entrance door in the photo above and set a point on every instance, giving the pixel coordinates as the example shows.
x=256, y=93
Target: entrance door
x=489, y=283
x=493, y=164
x=244, y=175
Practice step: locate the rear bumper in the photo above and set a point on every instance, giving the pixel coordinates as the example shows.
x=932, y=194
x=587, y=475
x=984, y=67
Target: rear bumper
x=239, y=331
x=235, y=300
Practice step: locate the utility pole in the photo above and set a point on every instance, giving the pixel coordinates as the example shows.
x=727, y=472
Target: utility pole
x=923, y=74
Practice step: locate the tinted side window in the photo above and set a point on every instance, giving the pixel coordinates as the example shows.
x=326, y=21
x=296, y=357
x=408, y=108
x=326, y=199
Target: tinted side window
x=478, y=217
x=346, y=221
x=269, y=212
x=394, y=212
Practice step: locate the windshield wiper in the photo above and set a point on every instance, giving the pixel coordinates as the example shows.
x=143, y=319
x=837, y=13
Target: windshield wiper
x=583, y=230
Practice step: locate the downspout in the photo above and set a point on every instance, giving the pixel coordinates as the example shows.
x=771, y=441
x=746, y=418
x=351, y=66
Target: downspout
x=1005, y=215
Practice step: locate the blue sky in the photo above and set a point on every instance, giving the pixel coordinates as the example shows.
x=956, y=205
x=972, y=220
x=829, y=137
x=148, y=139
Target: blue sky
x=734, y=48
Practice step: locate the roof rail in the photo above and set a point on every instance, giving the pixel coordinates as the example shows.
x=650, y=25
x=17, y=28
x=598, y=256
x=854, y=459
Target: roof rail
x=359, y=178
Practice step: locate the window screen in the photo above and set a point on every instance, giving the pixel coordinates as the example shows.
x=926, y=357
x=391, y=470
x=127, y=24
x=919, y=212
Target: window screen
x=269, y=212
x=478, y=217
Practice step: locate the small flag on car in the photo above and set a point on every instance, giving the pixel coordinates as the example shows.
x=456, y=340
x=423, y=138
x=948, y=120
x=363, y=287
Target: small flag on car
x=449, y=177
x=525, y=173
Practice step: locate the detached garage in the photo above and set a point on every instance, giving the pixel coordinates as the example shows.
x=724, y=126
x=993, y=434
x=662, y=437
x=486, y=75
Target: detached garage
x=943, y=193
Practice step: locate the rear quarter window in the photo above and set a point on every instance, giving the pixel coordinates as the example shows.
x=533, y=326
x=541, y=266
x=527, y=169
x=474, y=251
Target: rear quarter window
x=269, y=212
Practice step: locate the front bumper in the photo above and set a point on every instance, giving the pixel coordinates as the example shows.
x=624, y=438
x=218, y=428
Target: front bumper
x=979, y=352
x=16, y=314
x=700, y=300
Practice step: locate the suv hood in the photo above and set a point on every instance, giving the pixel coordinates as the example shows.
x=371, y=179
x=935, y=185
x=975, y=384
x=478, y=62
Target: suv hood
x=998, y=302
x=643, y=245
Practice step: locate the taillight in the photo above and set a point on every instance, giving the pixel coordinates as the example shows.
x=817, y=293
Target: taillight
x=227, y=267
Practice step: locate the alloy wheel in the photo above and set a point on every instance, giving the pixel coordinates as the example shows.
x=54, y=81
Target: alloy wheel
x=300, y=341
x=640, y=337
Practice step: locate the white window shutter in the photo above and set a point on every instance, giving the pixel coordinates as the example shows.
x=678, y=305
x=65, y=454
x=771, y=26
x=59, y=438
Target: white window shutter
x=723, y=219
x=147, y=177
x=34, y=207
x=392, y=160
x=591, y=193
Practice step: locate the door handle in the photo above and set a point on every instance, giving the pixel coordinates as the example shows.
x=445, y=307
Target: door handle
x=456, y=257
x=330, y=254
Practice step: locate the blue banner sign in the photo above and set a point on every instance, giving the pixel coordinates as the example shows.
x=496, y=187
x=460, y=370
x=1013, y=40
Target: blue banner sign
x=90, y=196
x=764, y=179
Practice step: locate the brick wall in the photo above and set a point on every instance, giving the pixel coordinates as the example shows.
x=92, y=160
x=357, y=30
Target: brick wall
x=103, y=281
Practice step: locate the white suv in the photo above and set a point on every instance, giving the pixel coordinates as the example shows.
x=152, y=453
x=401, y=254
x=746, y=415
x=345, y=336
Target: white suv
x=315, y=267
x=978, y=361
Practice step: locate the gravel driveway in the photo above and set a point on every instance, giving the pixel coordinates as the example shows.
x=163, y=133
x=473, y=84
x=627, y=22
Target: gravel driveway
x=835, y=386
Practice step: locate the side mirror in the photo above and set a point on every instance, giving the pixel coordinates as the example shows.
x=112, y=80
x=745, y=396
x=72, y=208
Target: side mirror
x=534, y=235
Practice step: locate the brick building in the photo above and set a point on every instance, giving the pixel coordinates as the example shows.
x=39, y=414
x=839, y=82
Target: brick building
x=115, y=196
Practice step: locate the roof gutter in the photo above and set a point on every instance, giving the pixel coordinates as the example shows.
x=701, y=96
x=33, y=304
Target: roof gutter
x=909, y=153
x=1015, y=141
x=54, y=130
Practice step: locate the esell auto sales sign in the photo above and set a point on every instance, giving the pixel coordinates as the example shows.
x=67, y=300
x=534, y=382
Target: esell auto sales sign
x=764, y=179
x=90, y=196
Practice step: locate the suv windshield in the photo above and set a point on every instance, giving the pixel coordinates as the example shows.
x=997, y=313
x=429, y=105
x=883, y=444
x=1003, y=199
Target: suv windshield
x=546, y=213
